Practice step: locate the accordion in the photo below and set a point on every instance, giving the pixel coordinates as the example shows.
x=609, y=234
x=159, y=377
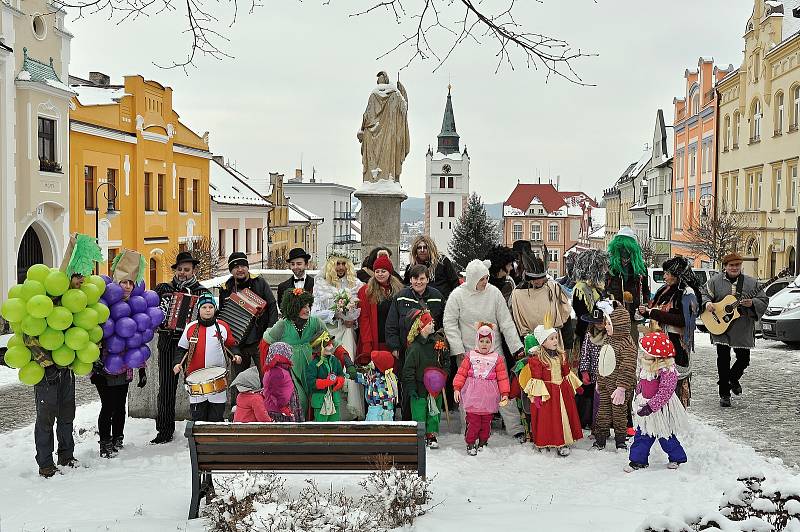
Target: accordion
x=182, y=311
x=240, y=312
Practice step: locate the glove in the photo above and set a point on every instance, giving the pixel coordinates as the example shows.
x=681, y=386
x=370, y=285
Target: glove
x=351, y=372
x=339, y=383
x=618, y=396
x=503, y=401
x=519, y=354
x=324, y=383
x=645, y=411
x=585, y=377
x=142, y=378
x=537, y=402
x=579, y=390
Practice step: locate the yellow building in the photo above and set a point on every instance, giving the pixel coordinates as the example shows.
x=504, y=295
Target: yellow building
x=759, y=113
x=279, y=237
x=128, y=138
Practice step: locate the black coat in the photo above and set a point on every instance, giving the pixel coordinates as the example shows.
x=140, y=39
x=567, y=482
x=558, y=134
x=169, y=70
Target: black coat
x=444, y=279
x=397, y=322
x=260, y=286
x=288, y=284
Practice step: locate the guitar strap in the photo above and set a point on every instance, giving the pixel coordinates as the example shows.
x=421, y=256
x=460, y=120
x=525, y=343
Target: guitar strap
x=739, y=285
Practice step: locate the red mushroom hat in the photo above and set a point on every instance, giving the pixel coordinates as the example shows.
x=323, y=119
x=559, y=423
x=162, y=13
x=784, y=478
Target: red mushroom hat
x=657, y=345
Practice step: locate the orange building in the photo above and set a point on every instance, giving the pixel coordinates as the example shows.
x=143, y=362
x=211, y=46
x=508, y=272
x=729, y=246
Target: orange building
x=130, y=137
x=694, y=168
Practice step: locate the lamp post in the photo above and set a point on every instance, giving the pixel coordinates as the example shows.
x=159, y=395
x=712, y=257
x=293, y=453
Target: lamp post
x=705, y=202
x=111, y=197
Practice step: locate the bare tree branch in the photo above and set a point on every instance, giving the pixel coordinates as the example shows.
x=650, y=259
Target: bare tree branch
x=205, y=250
x=714, y=237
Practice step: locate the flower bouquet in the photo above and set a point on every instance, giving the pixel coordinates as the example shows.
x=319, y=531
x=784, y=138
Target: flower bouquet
x=345, y=307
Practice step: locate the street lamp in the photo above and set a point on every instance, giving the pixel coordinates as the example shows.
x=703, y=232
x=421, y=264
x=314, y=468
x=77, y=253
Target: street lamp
x=111, y=198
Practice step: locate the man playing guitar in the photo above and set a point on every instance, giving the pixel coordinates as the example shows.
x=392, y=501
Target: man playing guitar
x=740, y=334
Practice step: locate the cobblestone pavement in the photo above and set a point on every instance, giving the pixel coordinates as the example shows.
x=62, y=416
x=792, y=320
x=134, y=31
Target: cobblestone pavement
x=17, y=406
x=765, y=416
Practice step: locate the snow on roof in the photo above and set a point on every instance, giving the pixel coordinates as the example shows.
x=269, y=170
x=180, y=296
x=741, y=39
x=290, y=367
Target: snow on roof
x=230, y=187
x=99, y=95
x=508, y=210
x=298, y=214
x=647, y=156
x=452, y=156
x=600, y=232
x=791, y=25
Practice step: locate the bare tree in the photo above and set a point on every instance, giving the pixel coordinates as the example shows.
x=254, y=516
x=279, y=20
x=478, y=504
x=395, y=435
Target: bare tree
x=714, y=237
x=205, y=250
x=429, y=29
x=648, y=252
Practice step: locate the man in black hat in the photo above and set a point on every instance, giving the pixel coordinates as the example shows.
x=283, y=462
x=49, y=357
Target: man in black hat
x=240, y=279
x=185, y=281
x=298, y=262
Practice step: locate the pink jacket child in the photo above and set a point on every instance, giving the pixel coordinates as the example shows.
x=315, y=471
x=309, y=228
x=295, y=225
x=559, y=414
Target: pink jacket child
x=280, y=398
x=249, y=402
x=481, y=385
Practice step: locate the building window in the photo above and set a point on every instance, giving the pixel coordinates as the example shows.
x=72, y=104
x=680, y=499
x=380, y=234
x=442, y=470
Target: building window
x=440, y=209
x=751, y=191
x=679, y=209
x=692, y=161
x=111, y=177
x=259, y=239
x=153, y=273
x=88, y=187
x=755, y=121
x=195, y=195
x=552, y=255
x=691, y=204
x=235, y=240
x=795, y=107
x=441, y=181
x=47, y=140
x=725, y=193
x=247, y=240
x=451, y=209
x=449, y=181
x=736, y=123
x=536, y=231
x=160, y=192
x=727, y=132
x=779, y=113
x=756, y=66
x=681, y=160
x=793, y=186
x=735, y=193
x=221, y=242
x=516, y=231
x=552, y=232
x=759, y=188
x=777, y=187
x=148, y=195
x=182, y=194
x=696, y=102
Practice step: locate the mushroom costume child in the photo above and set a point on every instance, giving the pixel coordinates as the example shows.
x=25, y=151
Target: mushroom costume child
x=658, y=413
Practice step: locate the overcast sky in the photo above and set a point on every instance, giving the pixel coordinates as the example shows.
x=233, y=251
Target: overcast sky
x=302, y=72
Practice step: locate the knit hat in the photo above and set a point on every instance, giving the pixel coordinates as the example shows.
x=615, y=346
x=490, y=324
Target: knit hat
x=205, y=298
x=541, y=333
x=383, y=263
x=657, y=345
x=382, y=360
x=237, y=258
x=278, y=351
x=484, y=329
x=419, y=319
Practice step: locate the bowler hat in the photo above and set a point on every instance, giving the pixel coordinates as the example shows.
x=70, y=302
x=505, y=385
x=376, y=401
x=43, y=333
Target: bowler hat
x=185, y=256
x=237, y=258
x=298, y=253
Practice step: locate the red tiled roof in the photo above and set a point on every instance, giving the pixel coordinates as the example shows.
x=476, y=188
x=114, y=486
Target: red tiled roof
x=523, y=194
x=566, y=195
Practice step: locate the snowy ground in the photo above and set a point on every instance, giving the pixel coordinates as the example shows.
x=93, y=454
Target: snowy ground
x=8, y=376
x=147, y=487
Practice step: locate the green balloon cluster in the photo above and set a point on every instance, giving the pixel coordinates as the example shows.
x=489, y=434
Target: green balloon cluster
x=64, y=321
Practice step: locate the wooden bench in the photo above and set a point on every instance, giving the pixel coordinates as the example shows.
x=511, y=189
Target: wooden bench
x=343, y=447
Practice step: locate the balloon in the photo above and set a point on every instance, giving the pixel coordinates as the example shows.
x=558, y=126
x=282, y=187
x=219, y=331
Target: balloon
x=156, y=316
x=85, y=319
x=14, y=309
x=113, y=293
x=98, y=281
x=51, y=339
x=31, y=288
x=108, y=328
x=74, y=300
x=152, y=298
x=39, y=306
x=115, y=344
x=138, y=289
x=60, y=319
x=76, y=338
x=147, y=335
x=114, y=364
x=16, y=326
x=134, y=358
x=106, y=279
x=434, y=380
x=134, y=341
x=125, y=327
x=15, y=341
x=92, y=293
x=38, y=272
x=33, y=326
x=15, y=291
x=31, y=373
x=56, y=283
x=63, y=356
x=80, y=368
x=142, y=322
x=17, y=356
x=89, y=353
x=120, y=309
x=137, y=304
x=145, y=351
x=103, y=312
x=95, y=334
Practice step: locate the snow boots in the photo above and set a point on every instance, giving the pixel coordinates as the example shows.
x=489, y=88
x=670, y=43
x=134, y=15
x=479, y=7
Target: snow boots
x=736, y=388
x=67, y=461
x=482, y=444
x=107, y=449
x=430, y=440
x=116, y=441
x=472, y=450
x=725, y=402
x=599, y=443
x=563, y=451
x=633, y=466
x=48, y=471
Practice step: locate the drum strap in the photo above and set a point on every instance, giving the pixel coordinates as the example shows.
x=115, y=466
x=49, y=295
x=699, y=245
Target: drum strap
x=192, y=344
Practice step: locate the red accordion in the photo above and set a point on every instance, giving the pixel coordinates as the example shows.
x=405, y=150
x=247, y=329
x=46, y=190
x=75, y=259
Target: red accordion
x=182, y=311
x=240, y=312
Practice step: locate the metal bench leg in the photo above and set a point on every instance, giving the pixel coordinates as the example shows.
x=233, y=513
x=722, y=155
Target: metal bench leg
x=194, y=507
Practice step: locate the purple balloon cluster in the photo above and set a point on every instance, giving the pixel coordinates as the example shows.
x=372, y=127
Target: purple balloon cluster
x=130, y=327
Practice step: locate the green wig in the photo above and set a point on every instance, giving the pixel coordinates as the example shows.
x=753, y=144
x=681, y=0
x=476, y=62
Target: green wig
x=294, y=300
x=85, y=253
x=622, y=243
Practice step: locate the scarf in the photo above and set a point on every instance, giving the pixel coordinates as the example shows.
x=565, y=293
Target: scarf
x=180, y=285
x=597, y=337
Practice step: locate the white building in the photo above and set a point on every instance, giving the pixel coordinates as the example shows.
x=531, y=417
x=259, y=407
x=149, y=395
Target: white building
x=239, y=214
x=34, y=137
x=304, y=225
x=333, y=202
x=446, y=182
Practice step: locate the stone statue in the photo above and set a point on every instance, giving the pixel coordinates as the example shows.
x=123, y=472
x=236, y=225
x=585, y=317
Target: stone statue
x=384, y=134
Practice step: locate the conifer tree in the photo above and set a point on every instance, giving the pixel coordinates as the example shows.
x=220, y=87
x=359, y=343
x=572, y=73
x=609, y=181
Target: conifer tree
x=474, y=233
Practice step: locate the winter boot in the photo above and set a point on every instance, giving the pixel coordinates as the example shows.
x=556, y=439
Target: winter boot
x=67, y=461
x=563, y=451
x=673, y=465
x=736, y=388
x=520, y=437
x=472, y=450
x=107, y=449
x=482, y=444
x=116, y=441
x=621, y=445
x=633, y=466
x=599, y=443
x=725, y=402
x=48, y=471
x=161, y=438
x=430, y=440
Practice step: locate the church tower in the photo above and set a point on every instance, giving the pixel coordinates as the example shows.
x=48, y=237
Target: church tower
x=446, y=181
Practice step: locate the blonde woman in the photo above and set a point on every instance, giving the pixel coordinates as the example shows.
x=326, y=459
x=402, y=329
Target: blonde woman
x=441, y=273
x=336, y=303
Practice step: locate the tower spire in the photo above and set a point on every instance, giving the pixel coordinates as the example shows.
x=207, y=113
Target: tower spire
x=448, y=138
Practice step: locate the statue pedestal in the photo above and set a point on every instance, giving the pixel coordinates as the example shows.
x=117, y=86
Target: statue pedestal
x=142, y=401
x=380, y=216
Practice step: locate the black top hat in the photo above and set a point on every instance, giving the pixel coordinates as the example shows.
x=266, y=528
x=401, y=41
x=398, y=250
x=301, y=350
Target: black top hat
x=298, y=253
x=521, y=246
x=185, y=256
x=534, y=266
x=596, y=316
x=236, y=258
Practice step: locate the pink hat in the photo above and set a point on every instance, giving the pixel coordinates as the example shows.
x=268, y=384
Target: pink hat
x=484, y=329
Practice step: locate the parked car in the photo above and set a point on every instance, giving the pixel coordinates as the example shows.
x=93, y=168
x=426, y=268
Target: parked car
x=781, y=321
x=656, y=277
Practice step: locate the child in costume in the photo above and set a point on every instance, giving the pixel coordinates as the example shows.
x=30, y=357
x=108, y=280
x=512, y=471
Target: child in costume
x=325, y=376
x=249, y=401
x=421, y=355
x=593, y=340
x=658, y=413
x=481, y=385
x=550, y=384
x=615, y=389
x=280, y=396
x=380, y=385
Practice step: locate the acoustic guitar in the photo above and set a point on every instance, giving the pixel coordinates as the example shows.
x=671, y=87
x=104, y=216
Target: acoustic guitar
x=726, y=311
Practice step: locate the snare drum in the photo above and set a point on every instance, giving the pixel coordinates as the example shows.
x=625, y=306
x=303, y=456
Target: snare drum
x=206, y=381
